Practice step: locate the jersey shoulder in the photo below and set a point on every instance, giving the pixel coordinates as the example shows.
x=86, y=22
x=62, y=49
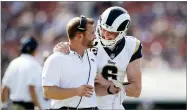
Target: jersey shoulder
x=131, y=38
x=133, y=41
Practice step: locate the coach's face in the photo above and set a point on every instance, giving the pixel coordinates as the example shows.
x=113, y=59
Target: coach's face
x=89, y=36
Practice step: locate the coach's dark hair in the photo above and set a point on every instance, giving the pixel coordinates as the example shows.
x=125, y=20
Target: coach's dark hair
x=28, y=45
x=72, y=26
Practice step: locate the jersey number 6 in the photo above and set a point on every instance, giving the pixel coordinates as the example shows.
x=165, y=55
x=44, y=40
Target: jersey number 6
x=110, y=71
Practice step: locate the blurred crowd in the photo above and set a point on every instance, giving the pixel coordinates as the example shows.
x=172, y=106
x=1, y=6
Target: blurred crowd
x=160, y=26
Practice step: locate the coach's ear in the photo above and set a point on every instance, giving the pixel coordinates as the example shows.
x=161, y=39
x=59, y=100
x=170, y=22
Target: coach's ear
x=79, y=35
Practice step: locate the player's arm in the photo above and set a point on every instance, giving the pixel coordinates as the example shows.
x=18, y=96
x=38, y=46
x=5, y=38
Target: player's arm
x=62, y=47
x=104, y=87
x=101, y=85
x=134, y=78
x=133, y=89
x=4, y=94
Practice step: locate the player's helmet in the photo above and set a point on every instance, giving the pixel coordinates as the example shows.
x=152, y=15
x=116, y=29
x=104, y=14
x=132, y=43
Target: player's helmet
x=114, y=19
x=28, y=45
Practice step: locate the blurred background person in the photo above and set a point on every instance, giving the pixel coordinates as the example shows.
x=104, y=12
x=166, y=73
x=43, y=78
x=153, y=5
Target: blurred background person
x=160, y=26
x=20, y=79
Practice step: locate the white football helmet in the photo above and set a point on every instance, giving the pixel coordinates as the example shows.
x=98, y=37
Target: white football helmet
x=113, y=19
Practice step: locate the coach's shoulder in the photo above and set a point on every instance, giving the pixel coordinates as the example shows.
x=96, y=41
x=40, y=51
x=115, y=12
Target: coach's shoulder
x=56, y=56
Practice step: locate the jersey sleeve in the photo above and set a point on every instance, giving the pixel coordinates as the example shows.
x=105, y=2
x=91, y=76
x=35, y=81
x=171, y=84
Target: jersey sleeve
x=137, y=52
x=52, y=71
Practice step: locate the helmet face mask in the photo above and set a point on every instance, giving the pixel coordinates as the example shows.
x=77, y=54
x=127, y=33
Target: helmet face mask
x=111, y=43
x=114, y=19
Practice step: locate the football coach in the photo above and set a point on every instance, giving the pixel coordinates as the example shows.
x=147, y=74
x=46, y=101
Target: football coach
x=68, y=80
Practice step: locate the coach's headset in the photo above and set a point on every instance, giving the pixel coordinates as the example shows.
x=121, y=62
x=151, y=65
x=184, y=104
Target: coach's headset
x=82, y=28
x=82, y=25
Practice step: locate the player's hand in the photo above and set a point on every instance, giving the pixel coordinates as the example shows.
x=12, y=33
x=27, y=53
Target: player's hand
x=85, y=90
x=101, y=80
x=62, y=47
x=113, y=89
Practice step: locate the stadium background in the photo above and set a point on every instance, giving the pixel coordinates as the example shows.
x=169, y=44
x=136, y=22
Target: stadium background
x=160, y=26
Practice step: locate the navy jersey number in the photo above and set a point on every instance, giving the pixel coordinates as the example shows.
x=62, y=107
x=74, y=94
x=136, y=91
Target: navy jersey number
x=110, y=71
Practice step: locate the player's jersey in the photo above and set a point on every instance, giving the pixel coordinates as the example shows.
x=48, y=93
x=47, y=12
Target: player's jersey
x=112, y=64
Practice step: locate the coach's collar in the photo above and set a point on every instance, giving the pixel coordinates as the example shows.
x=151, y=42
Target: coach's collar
x=75, y=53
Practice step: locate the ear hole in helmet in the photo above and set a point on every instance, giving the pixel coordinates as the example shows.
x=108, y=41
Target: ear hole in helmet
x=123, y=25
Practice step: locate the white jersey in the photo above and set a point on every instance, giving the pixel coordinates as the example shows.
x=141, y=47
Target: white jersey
x=112, y=65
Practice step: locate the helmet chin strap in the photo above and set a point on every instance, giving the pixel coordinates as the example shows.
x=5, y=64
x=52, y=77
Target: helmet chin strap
x=107, y=43
x=111, y=43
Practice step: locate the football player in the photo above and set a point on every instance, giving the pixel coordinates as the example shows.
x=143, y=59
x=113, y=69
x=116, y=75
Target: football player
x=118, y=56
